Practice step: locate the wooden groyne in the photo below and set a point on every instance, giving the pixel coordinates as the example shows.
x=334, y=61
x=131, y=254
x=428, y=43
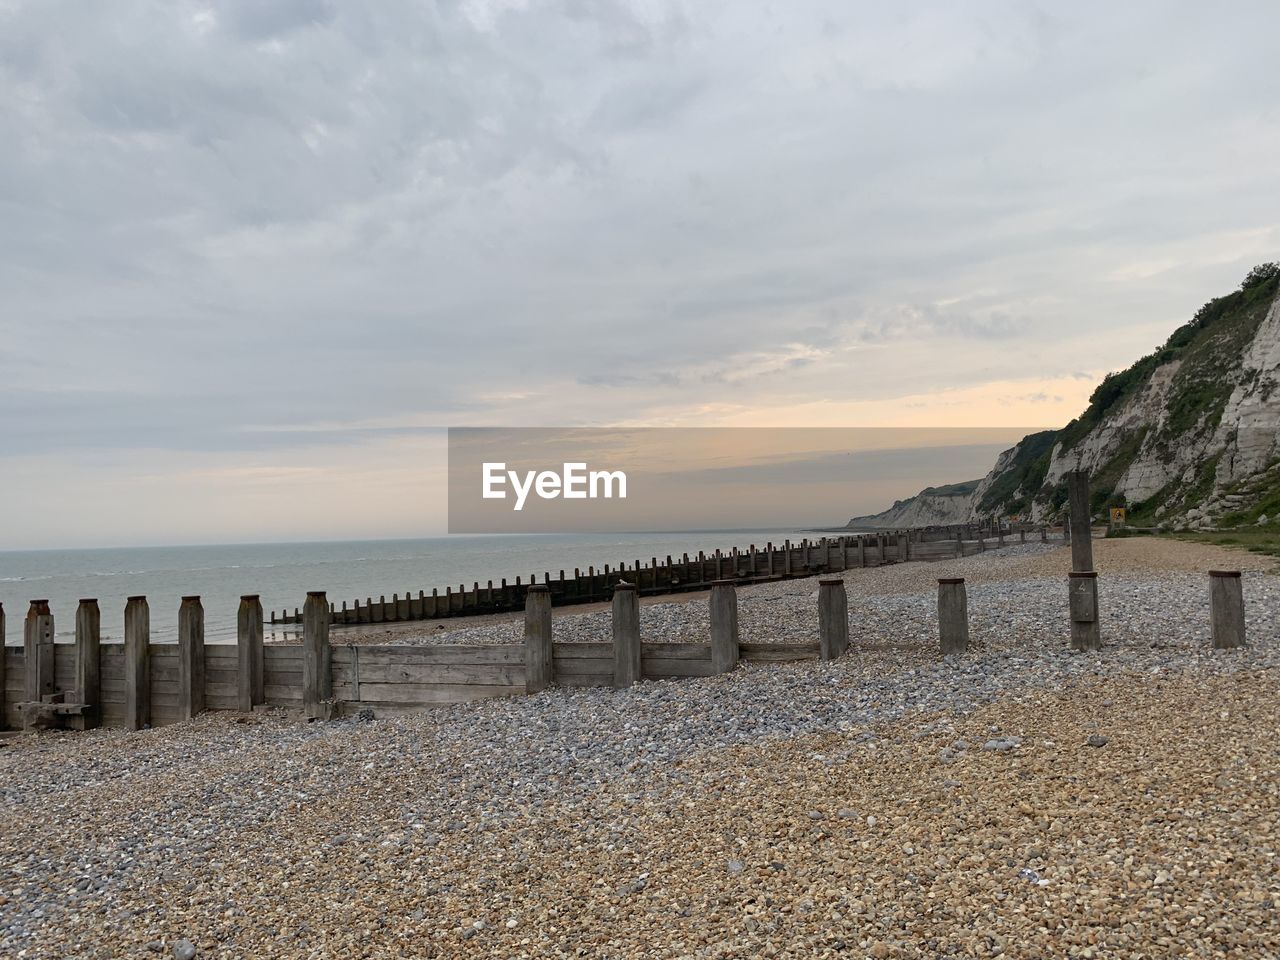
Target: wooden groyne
x=658, y=576
x=137, y=684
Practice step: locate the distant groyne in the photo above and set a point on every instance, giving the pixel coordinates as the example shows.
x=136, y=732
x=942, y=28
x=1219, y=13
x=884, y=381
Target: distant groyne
x=657, y=576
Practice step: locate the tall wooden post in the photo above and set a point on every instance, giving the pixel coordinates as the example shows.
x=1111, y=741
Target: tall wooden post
x=1226, y=609
x=317, y=658
x=191, y=672
x=538, y=644
x=88, y=662
x=137, y=663
x=953, y=615
x=37, y=657
x=1081, y=527
x=250, y=657
x=626, y=635
x=1085, y=634
x=724, y=626
x=4, y=706
x=833, y=618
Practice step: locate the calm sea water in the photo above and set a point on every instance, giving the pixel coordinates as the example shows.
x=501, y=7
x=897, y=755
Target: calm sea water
x=282, y=573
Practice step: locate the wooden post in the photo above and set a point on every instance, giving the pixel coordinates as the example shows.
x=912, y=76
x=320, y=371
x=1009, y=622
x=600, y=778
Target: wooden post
x=1085, y=633
x=953, y=615
x=4, y=706
x=538, y=664
x=724, y=626
x=37, y=657
x=190, y=658
x=626, y=635
x=137, y=663
x=1044, y=533
x=88, y=662
x=1226, y=609
x=1081, y=528
x=317, y=658
x=862, y=551
x=833, y=618
x=250, y=658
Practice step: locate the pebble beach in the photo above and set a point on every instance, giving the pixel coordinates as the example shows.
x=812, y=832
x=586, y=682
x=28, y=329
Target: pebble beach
x=1022, y=800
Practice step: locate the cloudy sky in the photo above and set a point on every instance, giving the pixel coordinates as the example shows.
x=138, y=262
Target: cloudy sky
x=255, y=255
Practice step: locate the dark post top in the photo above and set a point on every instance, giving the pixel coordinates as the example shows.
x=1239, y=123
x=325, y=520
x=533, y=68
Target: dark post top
x=191, y=599
x=724, y=583
x=132, y=599
x=1081, y=525
x=1083, y=574
x=951, y=579
x=539, y=588
x=248, y=596
x=831, y=582
x=1224, y=573
x=88, y=599
x=318, y=593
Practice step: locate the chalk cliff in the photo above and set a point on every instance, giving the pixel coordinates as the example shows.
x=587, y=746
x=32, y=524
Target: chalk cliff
x=1189, y=435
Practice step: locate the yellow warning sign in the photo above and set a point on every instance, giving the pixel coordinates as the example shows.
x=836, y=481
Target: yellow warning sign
x=1117, y=515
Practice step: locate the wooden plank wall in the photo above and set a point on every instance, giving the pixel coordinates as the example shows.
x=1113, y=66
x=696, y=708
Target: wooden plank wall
x=402, y=678
x=14, y=686
x=396, y=679
x=111, y=671
x=282, y=676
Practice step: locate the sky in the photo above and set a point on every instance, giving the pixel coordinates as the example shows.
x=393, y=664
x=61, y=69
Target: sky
x=255, y=257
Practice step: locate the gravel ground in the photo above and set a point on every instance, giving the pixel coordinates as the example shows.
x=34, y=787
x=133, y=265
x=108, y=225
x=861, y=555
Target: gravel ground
x=890, y=804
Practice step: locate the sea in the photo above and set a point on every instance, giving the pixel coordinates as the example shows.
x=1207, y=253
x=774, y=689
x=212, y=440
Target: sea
x=282, y=573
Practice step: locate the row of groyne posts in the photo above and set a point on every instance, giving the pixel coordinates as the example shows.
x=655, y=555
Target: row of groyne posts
x=1226, y=593
x=222, y=677
x=786, y=560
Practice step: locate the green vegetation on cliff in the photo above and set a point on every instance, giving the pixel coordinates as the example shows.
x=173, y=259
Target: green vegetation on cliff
x=1207, y=352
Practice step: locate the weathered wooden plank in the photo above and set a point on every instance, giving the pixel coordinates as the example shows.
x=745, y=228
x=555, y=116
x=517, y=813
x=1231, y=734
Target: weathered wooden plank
x=778, y=652
x=507, y=653
x=661, y=668
x=434, y=692
x=278, y=653
x=585, y=679
x=588, y=651
x=570, y=668
x=291, y=693
x=676, y=651
x=482, y=673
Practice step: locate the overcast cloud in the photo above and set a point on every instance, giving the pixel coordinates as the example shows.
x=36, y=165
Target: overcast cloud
x=253, y=255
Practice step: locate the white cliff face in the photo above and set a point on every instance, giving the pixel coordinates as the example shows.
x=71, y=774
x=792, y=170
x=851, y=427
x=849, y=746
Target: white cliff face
x=1246, y=438
x=1155, y=453
x=1148, y=473
x=1249, y=434
x=923, y=510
